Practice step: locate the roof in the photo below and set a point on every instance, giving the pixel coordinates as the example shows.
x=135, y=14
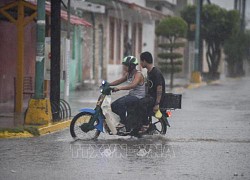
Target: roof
x=73, y=19
x=145, y=11
x=33, y=6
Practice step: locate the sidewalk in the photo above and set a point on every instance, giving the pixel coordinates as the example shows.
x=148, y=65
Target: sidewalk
x=7, y=114
x=77, y=100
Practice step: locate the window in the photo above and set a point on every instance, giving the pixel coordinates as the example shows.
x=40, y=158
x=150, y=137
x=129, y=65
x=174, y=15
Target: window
x=111, y=40
x=134, y=39
x=140, y=38
x=126, y=41
x=119, y=36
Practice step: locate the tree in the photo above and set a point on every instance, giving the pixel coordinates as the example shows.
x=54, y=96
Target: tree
x=188, y=14
x=217, y=25
x=236, y=49
x=171, y=28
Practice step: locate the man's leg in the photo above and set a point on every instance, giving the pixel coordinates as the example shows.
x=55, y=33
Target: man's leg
x=145, y=106
x=132, y=116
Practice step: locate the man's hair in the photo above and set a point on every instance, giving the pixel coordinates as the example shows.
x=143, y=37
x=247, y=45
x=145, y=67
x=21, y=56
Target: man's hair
x=146, y=56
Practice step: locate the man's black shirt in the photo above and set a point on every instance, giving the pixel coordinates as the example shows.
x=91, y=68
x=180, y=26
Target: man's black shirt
x=155, y=78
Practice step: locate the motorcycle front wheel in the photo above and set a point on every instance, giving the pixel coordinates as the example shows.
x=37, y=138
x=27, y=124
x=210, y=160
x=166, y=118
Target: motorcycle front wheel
x=76, y=123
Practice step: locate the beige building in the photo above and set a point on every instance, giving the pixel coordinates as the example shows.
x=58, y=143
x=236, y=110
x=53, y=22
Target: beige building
x=120, y=28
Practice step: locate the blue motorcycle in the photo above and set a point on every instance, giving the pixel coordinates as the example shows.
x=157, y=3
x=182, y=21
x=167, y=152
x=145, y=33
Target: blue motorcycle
x=89, y=123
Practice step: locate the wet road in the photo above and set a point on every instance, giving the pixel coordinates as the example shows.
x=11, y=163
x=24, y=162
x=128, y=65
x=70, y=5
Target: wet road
x=208, y=139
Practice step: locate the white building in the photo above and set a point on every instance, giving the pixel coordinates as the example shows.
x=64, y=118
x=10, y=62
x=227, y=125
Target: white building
x=120, y=28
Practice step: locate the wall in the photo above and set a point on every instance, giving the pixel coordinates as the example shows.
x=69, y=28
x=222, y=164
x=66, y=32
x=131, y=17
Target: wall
x=8, y=57
x=148, y=38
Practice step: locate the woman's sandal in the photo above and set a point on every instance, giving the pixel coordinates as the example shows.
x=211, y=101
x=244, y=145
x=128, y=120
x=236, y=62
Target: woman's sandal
x=120, y=125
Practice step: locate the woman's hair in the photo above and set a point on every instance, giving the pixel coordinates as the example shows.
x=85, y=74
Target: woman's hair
x=146, y=56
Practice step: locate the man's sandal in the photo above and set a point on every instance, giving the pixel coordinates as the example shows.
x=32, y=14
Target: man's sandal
x=143, y=129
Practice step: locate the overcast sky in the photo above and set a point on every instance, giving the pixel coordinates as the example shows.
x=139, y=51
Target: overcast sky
x=227, y=4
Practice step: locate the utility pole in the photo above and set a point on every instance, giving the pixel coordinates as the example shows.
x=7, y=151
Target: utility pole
x=39, y=109
x=40, y=46
x=201, y=41
x=197, y=35
x=243, y=15
x=55, y=55
x=196, y=75
x=67, y=59
x=240, y=5
x=235, y=4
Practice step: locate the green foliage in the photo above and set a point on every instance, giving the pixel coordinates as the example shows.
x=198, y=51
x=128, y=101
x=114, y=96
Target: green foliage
x=189, y=14
x=248, y=44
x=176, y=63
x=236, y=49
x=233, y=20
x=173, y=45
x=171, y=27
x=170, y=55
x=31, y=129
x=166, y=68
x=217, y=25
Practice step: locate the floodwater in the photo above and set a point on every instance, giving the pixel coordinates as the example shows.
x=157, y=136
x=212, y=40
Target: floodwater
x=209, y=138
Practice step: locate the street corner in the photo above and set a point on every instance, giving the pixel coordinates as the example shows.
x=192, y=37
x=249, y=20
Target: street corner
x=19, y=132
x=7, y=134
x=214, y=82
x=178, y=90
x=54, y=127
x=33, y=131
x=196, y=85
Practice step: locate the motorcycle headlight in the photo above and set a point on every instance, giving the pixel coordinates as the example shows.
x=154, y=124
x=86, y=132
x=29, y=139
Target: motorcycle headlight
x=103, y=82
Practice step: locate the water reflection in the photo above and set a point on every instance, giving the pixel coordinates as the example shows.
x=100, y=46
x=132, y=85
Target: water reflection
x=151, y=147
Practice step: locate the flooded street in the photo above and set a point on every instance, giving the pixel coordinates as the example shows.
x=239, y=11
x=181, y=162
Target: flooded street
x=209, y=138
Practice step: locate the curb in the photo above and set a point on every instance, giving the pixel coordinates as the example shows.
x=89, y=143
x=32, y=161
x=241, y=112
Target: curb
x=43, y=130
x=196, y=85
x=54, y=127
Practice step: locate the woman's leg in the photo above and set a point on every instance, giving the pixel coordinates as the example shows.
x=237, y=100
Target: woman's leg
x=118, y=107
x=121, y=106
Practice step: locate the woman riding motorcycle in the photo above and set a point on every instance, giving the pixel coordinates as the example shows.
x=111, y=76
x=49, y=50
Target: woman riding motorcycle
x=128, y=103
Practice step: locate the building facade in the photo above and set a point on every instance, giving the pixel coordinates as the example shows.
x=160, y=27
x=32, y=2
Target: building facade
x=118, y=28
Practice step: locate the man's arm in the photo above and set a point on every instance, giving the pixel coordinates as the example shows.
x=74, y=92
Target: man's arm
x=158, y=98
x=158, y=95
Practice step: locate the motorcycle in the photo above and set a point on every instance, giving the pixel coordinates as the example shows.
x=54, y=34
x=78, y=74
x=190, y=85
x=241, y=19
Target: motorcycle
x=89, y=123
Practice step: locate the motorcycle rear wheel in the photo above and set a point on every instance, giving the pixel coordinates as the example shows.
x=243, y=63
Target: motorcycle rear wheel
x=76, y=131
x=157, y=126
